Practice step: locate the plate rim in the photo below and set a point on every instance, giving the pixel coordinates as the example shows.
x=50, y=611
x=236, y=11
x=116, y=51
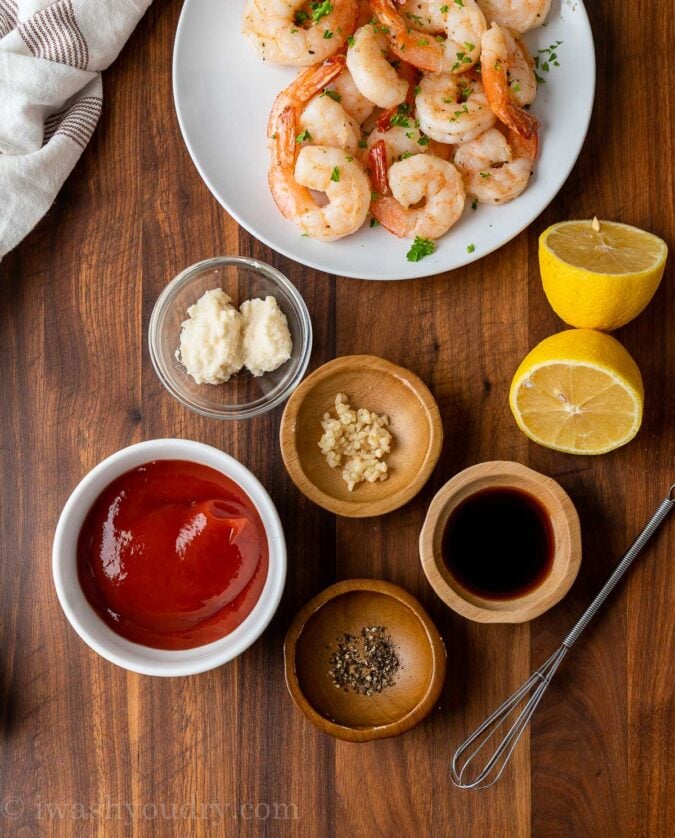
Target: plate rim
x=424, y=272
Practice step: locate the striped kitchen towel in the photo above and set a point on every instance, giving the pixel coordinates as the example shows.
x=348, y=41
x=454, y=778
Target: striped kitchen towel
x=51, y=56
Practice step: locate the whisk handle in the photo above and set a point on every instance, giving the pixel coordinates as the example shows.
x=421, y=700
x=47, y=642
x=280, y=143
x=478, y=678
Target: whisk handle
x=652, y=525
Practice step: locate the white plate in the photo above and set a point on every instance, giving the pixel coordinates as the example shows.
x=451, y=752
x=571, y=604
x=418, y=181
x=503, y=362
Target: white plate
x=223, y=94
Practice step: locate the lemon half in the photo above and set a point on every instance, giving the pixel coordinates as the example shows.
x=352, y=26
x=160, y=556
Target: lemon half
x=600, y=274
x=579, y=392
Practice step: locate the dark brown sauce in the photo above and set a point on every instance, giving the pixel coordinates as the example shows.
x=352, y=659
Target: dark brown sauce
x=498, y=543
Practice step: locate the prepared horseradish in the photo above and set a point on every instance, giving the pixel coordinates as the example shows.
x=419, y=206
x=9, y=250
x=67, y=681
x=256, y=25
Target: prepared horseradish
x=266, y=340
x=217, y=340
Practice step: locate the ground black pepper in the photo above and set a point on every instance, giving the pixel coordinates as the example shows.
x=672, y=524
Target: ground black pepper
x=366, y=663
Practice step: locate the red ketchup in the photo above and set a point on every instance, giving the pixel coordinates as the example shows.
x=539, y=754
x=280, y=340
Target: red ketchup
x=172, y=555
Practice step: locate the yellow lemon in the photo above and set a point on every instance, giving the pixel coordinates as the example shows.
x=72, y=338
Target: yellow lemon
x=578, y=391
x=600, y=274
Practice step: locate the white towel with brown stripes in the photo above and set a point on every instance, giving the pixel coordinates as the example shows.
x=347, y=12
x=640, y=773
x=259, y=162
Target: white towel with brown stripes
x=51, y=56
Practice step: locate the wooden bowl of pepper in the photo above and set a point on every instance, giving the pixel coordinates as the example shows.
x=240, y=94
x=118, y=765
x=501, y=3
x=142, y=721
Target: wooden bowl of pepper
x=363, y=660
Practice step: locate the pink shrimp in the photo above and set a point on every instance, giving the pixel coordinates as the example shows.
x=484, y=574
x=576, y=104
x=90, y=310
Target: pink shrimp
x=501, y=52
x=330, y=170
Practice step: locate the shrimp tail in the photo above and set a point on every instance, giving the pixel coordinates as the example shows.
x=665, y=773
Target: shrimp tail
x=391, y=215
x=377, y=159
x=283, y=139
x=526, y=147
x=519, y=120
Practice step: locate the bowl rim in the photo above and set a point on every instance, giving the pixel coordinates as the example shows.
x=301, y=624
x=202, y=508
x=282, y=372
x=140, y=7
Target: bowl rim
x=363, y=734
x=360, y=508
x=134, y=657
x=564, y=520
x=262, y=405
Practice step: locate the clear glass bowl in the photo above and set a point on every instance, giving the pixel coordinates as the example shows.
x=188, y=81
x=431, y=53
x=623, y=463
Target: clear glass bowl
x=243, y=396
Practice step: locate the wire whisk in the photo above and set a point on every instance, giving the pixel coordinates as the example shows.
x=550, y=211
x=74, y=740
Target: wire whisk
x=531, y=692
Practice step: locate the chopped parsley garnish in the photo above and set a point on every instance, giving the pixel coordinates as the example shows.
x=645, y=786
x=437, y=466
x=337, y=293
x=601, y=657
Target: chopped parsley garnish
x=293, y=30
x=419, y=249
x=374, y=222
x=470, y=248
x=335, y=174
x=351, y=40
x=464, y=109
x=547, y=58
x=462, y=58
x=417, y=89
x=465, y=92
x=401, y=118
x=300, y=17
x=363, y=143
x=445, y=8
x=474, y=204
x=349, y=158
x=327, y=35
x=485, y=174
x=305, y=137
x=458, y=3
x=422, y=42
x=405, y=155
x=320, y=10
x=423, y=140
x=416, y=18
x=332, y=94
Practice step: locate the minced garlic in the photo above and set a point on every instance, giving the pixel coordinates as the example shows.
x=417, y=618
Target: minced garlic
x=357, y=440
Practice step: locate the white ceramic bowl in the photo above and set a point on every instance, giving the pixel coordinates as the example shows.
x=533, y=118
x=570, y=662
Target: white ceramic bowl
x=88, y=624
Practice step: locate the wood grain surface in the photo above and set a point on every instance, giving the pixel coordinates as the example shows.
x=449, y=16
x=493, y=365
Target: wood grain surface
x=87, y=749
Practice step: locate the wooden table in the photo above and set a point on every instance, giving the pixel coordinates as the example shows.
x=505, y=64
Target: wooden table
x=86, y=748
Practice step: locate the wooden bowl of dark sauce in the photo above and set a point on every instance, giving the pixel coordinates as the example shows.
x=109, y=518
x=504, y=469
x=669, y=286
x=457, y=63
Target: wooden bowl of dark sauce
x=501, y=543
x=355, y=634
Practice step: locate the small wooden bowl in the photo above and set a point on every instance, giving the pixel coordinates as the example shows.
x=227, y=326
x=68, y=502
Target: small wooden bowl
x=347, y=607
x=381, y=387
x=566, y=535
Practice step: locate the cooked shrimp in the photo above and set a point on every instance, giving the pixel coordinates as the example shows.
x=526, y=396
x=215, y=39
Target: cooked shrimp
x=329, y=170
x=298, y=93
x=495, y=168
x=433, y=184
x=325, y=122
x=399, y=142
x=351, y=98
x=519, y=15
x=424, y=15
x=464, y=25
x=345, y=184
x=373, y=75
x=297, y=32
x=452, y=108
x=503, y=54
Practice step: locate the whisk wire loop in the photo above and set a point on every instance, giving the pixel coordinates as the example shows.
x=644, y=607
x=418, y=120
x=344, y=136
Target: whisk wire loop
x=538, y=682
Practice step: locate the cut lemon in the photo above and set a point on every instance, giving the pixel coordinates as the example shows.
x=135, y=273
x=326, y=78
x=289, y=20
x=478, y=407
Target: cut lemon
x=578, y=391
x=600, y=274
